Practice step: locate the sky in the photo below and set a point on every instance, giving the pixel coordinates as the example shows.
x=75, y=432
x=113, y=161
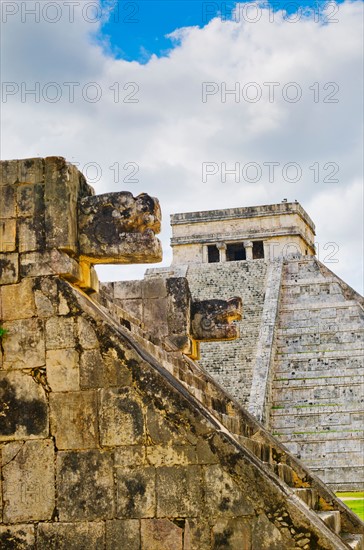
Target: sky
x=204, y=105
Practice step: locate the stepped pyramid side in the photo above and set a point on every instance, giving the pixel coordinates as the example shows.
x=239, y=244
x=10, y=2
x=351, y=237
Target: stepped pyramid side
x=317, y=390
x=109, y=440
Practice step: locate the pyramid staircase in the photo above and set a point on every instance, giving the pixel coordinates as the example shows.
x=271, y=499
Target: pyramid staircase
x=317, y=392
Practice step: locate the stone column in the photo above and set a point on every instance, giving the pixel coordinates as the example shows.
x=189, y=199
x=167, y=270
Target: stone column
x=205, y=257
x=222, y=250
x=248, y=245
x=267, y=250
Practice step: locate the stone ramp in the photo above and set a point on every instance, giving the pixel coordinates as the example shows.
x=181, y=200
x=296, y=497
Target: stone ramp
x=253, y=442
x=317, y=393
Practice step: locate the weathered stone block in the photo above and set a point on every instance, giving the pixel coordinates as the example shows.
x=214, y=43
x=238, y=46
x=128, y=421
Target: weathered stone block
x=9, y=268
x=127, y=290
x=121, y=418
x=222, y=495
x=63, y=370
x=70, y=536
x=197, y=535
x=130, y=455
x=18, y=301
x=24, y=344
x=60, y=333
x=86, y=334
x=7, y=235
x=23, y=407
x=232, y=533
x=123, y=534
x=154, y=288
x=135, y=492
x=159, y=430
x=160, y=533
x=170, y=455
x=19, y=537
x=74, y=419
x=91, y=369
x=7, y=201
x=85, y=485
x=49, y=262
x=28, y=486
x=29, y=235
x=29, y=200
x=179, y=491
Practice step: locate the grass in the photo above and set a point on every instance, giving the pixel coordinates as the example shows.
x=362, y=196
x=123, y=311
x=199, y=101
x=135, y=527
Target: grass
x=3, y=331
x=354, y=501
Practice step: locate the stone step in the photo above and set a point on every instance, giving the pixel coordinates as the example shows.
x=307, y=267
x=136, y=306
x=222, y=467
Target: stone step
x=319, y=306
x=290, y=409
x=300, y=340
x=321, y=357
x=318, y=378
x=261, y=450
x=286, y=435
x=332, y=520
x=309, y=496
x=309, y=280
x=323, y=326
x=356, y=542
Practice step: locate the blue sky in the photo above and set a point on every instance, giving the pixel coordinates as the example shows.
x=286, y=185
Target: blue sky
x=137, y=29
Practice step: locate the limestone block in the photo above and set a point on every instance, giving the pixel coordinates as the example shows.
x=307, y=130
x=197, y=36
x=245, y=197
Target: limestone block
x=24, y=344
x=20, y=537
x=135, y=492
x=30, y=170
x=121, y=418
x=159, y=430
x=154, y=288
x=118, y=228
x=197, y=535
x=130, y=455
x=49, y=262
x=123, y=534
x=60, y=333
x=23, y=407
x=265, y=536
x=70, y=536
x=9, y=268
x=133, y=307
x=91, y=369
x=28, y=486
x=63, y=370
x=128, y=290
x=74, y=419
x=222, y=494
x=63, y=183
x=179, y=491
x=7, y=235
x=86, y=334
x=85, y=485
x=155, y=317
x=29, y=235
x=18, y=301
x=158, y=455
x=25, y=200
x=160, y=533
x=7, y=201
x=232, y=533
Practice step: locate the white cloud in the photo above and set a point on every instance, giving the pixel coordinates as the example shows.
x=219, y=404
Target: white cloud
x=170, y=132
